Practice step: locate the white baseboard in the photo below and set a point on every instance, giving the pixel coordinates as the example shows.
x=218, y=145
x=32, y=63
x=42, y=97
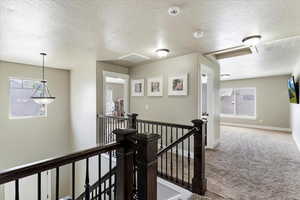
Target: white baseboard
x=269, y=128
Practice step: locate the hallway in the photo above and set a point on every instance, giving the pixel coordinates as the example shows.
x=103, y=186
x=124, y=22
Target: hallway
x=254, y=164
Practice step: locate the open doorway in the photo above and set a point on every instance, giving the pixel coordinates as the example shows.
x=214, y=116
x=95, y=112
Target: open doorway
x=207, y=104
x=115, y=94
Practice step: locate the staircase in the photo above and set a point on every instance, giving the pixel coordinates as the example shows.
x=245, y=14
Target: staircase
x=141, y=149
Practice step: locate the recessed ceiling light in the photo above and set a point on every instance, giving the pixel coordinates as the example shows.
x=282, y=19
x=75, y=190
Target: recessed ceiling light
x=252, y=40
x=198, y=34
x=162, y=52
x=174, y=11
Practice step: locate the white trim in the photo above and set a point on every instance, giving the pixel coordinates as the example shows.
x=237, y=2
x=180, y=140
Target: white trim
x=238, y=116
x=269, y=128
x=296, y=141
x=126, y=88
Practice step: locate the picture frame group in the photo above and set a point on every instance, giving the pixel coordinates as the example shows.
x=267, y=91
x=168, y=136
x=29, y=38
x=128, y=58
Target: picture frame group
x=177, y=86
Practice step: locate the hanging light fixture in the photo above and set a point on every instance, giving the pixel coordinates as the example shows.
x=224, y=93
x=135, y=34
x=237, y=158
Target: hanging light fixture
x=42, y=93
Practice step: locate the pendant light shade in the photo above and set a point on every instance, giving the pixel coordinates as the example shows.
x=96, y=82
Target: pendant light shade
x=42, y=93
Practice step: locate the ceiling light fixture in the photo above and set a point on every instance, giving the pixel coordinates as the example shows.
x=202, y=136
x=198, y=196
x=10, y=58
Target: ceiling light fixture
x=174, y=11
x=42, y=93
x=162, y=52
x=252, y=40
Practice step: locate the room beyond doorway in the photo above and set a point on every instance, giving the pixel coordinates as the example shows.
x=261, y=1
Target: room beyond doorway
x=115, y=94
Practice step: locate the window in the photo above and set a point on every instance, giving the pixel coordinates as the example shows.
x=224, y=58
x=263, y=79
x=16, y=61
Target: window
x=238, y=102
x=21, y=105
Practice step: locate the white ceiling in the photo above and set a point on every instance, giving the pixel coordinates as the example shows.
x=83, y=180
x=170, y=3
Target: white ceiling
x=70, y=30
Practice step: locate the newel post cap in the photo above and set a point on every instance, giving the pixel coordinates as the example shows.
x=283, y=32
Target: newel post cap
x=133, y=115
x=197, y=122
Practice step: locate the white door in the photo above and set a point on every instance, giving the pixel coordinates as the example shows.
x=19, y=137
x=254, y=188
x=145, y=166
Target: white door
x=28, y=188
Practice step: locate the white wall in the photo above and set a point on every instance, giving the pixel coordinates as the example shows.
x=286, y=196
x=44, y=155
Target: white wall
x=295, y=113
x=27, y=140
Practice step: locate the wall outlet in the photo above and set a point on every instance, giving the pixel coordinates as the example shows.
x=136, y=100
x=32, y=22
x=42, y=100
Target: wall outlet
x=146, y=107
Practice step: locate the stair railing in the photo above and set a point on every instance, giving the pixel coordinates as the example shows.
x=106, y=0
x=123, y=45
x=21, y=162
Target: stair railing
x=181, y=157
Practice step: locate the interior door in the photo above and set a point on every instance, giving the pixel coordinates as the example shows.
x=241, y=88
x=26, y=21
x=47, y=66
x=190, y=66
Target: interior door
x=28, y=188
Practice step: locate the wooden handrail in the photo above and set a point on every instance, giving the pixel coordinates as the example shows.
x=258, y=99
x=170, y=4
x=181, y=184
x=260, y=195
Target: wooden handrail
x=112, y=117
x=174, y=125
x=170, y=146
x=44, y=165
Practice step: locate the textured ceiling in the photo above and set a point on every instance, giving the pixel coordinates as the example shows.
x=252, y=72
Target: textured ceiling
x=107, y=29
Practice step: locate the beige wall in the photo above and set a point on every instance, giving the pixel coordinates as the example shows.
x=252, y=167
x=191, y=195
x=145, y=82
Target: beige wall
x=177, y=109
x=26, y=140
x=272, y=103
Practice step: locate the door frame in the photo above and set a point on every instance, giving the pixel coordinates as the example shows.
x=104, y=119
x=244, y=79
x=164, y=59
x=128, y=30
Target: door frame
x=211, y=99
x=126, y=89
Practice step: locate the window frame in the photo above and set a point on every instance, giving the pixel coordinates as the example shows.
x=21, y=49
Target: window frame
x=10, y=117
x=234, y=115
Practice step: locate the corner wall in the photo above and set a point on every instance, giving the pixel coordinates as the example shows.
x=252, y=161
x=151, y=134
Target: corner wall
x=176, y=109
x=295, y=113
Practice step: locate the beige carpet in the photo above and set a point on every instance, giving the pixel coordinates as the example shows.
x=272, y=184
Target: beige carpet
x=253, y=164
x=250, y=164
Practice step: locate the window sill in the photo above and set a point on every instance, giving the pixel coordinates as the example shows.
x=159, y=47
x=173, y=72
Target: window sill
x=239, y=116
x=26, y=117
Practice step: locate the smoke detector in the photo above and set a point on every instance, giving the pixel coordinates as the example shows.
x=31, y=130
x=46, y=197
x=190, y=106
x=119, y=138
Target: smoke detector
x=174, y=11
x=198, y=34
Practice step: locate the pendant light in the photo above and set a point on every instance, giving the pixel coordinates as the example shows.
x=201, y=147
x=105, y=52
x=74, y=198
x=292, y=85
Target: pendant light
x=42, y=93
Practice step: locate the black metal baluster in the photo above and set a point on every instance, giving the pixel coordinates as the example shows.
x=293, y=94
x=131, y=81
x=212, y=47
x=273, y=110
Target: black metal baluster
x=73, y=180
x=176, y=156
x=166, y=152
x=189, y=159
x=110, y=174
x=17, y=197
x=182, y=158
x=161, y=147
x=87, y=181
x=57, y=183
x=105, y=132
x=39, y=186
x=104, y=190
x=99, y=175
x=171, y=152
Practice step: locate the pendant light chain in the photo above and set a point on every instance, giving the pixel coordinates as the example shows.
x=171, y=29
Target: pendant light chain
x=43, y=67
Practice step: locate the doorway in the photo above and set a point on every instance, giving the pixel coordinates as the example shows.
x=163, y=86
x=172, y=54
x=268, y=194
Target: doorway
x=115, y=94
x=207, y=103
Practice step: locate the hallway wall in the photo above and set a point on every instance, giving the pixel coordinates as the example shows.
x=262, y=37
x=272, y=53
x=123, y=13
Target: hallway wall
x=272, y=102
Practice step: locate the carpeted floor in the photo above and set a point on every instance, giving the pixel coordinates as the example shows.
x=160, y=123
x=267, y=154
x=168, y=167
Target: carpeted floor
x=252, y=164
x=249, y=164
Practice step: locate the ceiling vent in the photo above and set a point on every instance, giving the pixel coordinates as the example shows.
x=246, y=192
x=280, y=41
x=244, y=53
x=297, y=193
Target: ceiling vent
x=134, y=58
x=230, y=52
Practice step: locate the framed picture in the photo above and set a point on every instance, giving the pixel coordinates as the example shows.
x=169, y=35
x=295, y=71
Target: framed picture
x=178, y=85
x=155, y=87
x=137, y=88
